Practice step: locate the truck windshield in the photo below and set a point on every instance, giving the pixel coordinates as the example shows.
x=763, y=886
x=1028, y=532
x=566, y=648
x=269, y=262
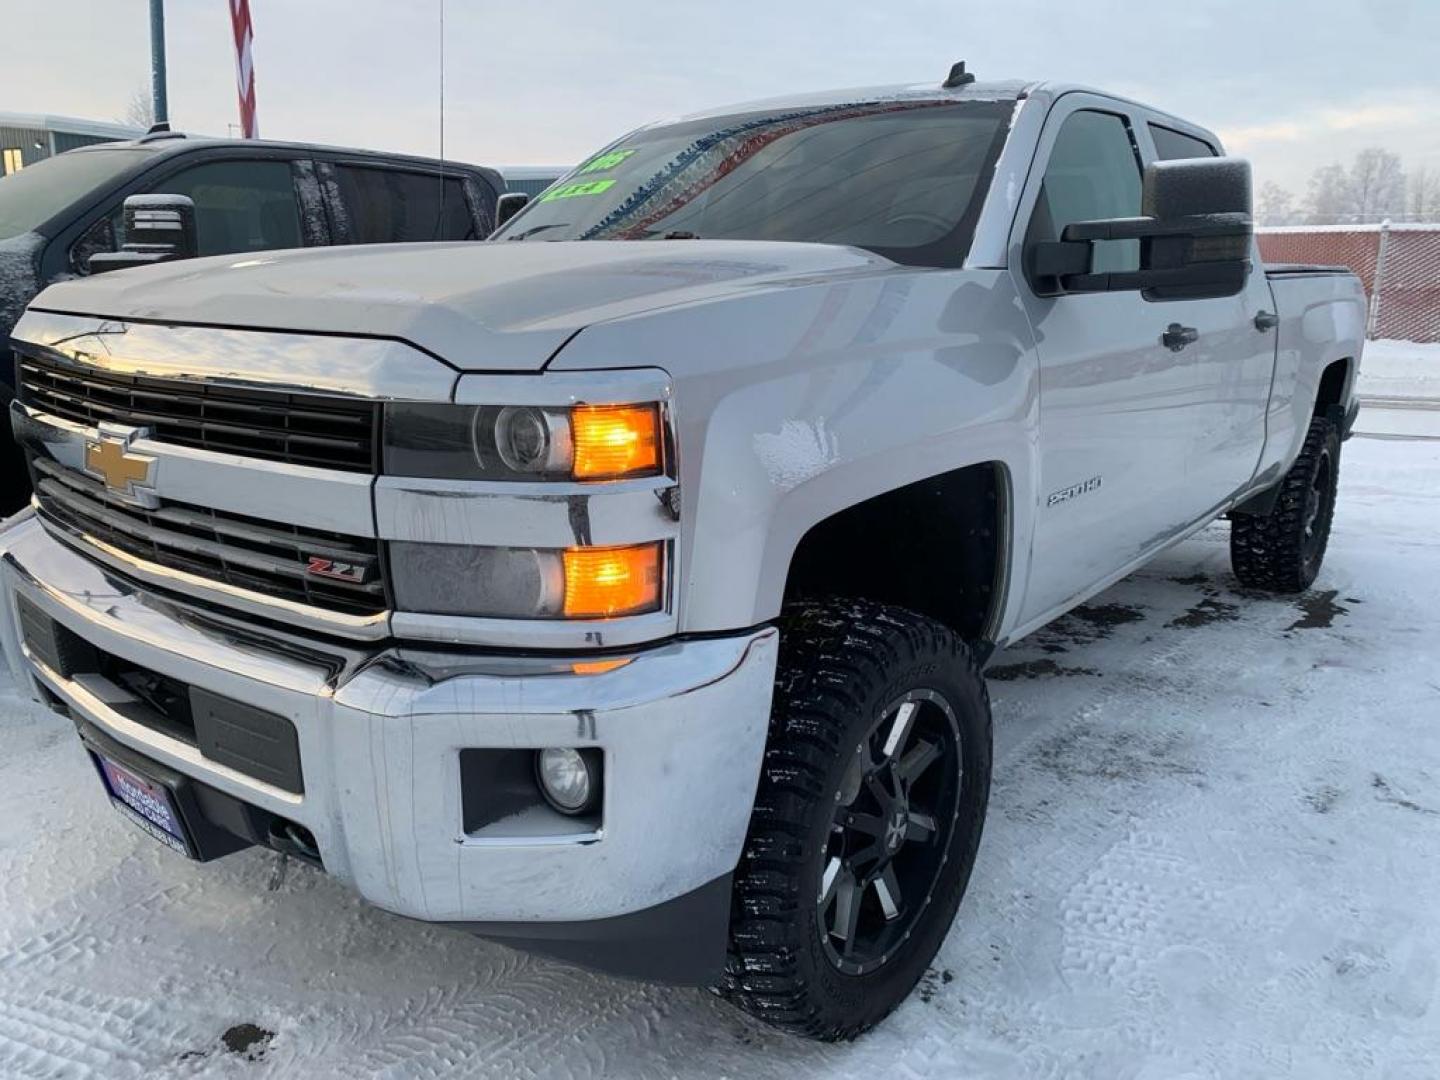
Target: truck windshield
x=902, y=178
x=35, y=194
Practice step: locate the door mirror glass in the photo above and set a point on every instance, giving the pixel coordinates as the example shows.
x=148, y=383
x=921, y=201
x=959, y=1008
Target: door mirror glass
x=1194, y=232
x=508, y=205
x=158, y=228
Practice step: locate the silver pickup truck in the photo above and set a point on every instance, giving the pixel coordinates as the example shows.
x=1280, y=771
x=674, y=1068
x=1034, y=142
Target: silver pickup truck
x=630, y=601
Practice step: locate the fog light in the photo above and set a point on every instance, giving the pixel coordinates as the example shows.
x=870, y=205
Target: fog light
x=569, y=779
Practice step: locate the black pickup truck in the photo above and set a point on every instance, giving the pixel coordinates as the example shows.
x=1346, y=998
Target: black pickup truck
x=248, y=195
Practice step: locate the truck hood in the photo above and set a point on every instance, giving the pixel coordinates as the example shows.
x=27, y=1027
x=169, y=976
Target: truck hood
x=481, y=307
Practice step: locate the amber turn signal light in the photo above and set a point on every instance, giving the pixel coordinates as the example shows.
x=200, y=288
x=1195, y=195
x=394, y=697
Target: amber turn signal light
x=615, y=441
x=602, y=582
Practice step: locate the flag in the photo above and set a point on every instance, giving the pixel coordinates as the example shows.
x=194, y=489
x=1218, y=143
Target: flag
x=244, y=66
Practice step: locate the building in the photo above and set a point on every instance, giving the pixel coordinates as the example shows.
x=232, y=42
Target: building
x=26, y=138
x=531, y=179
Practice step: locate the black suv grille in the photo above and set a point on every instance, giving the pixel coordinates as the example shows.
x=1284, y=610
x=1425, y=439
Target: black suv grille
x=241, y=551
x=299, y=429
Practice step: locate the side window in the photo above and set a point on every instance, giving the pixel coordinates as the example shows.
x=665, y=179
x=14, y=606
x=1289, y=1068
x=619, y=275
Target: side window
x=239, y=205
x=1171, y=144
x=393, y=206
x=1093, y=174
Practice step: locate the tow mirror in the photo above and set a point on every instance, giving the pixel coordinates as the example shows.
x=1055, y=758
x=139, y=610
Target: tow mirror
x=1194, y=237
x=508, y=205
x=158, y=228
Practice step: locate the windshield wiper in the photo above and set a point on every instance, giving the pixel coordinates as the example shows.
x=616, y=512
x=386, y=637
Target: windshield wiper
x=681, y=234
x=539, y=228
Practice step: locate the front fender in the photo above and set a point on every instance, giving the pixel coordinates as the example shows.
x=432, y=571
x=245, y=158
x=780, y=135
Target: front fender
x=794, y=403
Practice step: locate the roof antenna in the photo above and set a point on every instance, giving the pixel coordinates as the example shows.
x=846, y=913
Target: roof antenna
x=958, y=77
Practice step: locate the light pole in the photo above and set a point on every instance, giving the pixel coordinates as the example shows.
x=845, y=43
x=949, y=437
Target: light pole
x=157, y=64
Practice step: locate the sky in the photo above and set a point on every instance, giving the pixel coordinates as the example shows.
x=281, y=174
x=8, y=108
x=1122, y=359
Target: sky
x=1291, y=84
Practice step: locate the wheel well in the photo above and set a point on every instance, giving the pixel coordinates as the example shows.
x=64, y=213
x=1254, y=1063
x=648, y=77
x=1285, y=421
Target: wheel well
x=933, y=546
x=1333, y=381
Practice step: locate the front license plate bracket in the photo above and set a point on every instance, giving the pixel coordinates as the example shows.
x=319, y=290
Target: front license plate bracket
x=145, y=791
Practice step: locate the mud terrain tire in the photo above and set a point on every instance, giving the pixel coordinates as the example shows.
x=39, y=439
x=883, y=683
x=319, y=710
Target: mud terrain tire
x=1282, y=552
x=851, y=675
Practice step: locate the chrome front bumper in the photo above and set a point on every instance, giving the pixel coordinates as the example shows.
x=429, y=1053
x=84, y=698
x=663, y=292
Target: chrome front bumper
x=682, y=728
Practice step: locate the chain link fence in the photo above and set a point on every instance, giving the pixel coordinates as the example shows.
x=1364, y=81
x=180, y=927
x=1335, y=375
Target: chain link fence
x=1398, y=264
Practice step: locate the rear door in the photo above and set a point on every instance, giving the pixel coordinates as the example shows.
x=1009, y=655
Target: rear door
x=1117, y=407
x=1233, y=354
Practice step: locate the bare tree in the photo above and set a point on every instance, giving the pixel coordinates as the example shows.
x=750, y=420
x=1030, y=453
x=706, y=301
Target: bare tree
x=1423, y=189
x=1328, y=200
x=1275, y=206
x=1369, y=191
x=1377, y=185
x=140, y=110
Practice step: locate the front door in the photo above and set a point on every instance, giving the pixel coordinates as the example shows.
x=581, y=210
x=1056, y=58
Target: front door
x=1118, y=407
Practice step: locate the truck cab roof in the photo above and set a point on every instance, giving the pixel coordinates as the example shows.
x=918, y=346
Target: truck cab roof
x=1041, y=91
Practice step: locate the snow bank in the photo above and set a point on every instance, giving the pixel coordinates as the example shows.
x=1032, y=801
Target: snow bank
x=1400, y=369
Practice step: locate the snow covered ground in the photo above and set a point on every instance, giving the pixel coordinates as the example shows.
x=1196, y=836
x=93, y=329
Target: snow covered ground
x=1212, y=852
x=1399, y=389
x=1400, y=370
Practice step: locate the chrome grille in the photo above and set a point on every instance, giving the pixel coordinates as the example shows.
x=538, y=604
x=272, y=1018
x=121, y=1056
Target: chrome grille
x=240, y=551
x=299, y=429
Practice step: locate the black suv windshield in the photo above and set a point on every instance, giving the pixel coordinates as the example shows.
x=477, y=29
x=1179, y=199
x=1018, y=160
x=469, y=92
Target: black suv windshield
x=35, y=194
x=902, y=178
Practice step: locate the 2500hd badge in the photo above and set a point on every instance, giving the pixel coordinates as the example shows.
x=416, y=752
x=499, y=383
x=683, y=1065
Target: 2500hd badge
x=1066, y=494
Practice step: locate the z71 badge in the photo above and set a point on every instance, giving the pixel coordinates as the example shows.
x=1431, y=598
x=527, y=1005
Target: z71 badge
x=355, y=573
x=1074, y=490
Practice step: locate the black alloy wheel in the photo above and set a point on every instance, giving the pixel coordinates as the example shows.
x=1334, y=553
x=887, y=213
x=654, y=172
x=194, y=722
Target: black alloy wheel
x=895, y=812
x=867, y=818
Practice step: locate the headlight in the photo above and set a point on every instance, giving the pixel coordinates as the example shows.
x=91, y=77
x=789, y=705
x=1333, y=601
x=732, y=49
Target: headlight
x=528, y=583
x=482, y=442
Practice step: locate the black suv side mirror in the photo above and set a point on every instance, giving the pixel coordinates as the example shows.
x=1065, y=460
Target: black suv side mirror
x=158, y=228
x=508, y=205
x=1194, y=237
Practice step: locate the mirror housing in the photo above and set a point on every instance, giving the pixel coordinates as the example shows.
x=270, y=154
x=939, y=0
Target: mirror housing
x=1194, y=237
x=508, y=205
x=158, y=228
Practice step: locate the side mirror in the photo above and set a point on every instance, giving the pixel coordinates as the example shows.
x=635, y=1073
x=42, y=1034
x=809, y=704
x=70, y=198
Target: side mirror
x=158, y=228
x=508, y=205
x=1194, y=237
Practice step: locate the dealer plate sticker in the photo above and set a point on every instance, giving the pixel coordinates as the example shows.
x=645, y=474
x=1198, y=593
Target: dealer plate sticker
x=146, y=803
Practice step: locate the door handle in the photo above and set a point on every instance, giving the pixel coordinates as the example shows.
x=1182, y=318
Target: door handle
x=1176, y=337
x=1266, y=321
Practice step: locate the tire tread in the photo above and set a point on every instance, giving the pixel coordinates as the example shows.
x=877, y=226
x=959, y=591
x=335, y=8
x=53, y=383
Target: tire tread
x=834, y=657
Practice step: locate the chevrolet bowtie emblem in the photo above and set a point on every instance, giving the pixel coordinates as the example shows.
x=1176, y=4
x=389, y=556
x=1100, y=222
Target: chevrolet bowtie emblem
x=129, y=475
